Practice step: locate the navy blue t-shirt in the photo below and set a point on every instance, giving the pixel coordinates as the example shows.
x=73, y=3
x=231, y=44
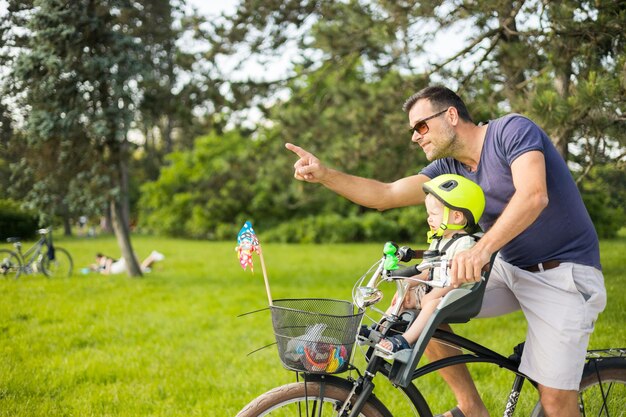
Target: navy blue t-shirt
x=563, y=231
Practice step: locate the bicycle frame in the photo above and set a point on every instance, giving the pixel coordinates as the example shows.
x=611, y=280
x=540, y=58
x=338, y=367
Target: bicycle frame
x=34, y=254
x=478, y=354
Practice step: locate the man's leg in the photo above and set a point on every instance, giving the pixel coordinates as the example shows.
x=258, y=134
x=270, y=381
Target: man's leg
x=558, y=402
x=561, y=306
x=458, y=378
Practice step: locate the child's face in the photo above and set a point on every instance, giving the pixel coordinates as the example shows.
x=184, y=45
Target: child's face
x=434, y=208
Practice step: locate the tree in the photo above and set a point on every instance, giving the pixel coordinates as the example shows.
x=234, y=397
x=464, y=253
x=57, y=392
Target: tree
x=170, y=91
x=561, y=63
x=6, y=134
x=74, y=71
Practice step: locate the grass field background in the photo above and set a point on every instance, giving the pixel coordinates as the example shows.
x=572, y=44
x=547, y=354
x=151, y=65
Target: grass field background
x=171, y=344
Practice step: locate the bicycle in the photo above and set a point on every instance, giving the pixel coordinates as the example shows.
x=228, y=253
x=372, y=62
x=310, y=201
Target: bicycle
x=42, y=257
x=323, y=393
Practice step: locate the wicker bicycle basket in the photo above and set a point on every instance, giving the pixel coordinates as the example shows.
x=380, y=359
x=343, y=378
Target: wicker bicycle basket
x=315, y=335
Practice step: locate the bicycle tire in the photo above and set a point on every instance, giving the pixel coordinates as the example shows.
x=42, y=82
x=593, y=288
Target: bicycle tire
x=417, y=401
x=10, y=264
x=292, y=400
x=602, y=389
x=60, y=266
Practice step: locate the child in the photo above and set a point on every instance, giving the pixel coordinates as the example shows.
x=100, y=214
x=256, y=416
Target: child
x=454, y=205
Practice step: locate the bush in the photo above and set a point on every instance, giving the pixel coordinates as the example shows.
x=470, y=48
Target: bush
x=605, y=197
x=15, y=222
x=403, y=225
x=607, y=220
x=330, y=228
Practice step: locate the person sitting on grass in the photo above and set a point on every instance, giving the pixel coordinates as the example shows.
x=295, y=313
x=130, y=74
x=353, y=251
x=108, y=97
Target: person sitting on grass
x=108, y=266
x=454, y=205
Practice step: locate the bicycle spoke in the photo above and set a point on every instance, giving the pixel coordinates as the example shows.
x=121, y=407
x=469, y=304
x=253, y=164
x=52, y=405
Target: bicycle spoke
x=603, y=399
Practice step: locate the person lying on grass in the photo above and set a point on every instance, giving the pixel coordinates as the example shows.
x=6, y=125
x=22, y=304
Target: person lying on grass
x=454, y=205
x=107, y=265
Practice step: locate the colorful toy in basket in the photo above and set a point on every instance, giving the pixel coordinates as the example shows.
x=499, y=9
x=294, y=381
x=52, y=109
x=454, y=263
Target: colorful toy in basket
x=317, y=353
x=324, y=357
x=295, y=347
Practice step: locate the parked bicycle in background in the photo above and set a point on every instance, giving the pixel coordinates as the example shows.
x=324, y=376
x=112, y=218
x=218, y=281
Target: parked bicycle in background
x=43, y=257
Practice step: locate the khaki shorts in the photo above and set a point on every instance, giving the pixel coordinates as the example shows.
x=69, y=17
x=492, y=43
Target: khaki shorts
x=561, y=306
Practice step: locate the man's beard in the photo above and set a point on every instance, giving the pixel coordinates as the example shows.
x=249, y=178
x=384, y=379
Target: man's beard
x=448, y=147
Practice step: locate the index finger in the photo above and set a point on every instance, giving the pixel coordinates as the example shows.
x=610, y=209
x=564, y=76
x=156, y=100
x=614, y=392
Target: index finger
x=297, y=150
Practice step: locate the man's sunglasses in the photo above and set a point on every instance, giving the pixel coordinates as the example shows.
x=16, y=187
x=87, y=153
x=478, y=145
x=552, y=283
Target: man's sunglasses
x=421, y=127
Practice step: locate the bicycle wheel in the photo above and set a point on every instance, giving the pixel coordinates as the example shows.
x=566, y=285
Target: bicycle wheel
x=602, y=389
x=293, y=400
x=60, y=266
x=10, y=264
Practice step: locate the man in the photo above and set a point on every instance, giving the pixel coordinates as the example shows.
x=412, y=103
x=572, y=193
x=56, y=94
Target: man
x=549, y=262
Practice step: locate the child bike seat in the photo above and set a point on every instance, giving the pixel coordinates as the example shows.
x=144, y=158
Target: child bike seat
x=457, y=306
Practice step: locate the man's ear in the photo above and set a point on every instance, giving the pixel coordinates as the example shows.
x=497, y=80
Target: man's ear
x=453, y=115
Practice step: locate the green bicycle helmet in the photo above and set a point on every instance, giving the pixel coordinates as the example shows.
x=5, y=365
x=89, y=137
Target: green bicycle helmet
x=456, y=193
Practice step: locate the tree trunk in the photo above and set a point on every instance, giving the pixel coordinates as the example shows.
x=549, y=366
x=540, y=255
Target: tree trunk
x=67, y=226
x=167, y=135
x=120, y=212
x=122, y=234
x=123, y=184
x=108, y=220
x=506, y=56
x=561, y=142
x=562, y=84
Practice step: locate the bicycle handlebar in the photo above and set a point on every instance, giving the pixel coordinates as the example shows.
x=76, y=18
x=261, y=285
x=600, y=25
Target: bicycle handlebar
x=408, y=273
x=406, y=254
x=405, y=272
x=416, y=269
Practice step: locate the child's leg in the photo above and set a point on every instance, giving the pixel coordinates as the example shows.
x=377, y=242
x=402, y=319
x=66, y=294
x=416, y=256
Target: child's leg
x=428, y=308
x=413, y=332
x=410, y=301
x=428, y=305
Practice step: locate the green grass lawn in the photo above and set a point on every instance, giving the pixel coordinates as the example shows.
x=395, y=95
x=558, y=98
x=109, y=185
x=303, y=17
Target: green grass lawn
x=171, y=344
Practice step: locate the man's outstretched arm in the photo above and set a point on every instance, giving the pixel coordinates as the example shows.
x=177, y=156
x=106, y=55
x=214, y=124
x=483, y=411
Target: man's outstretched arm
x=363, y=191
